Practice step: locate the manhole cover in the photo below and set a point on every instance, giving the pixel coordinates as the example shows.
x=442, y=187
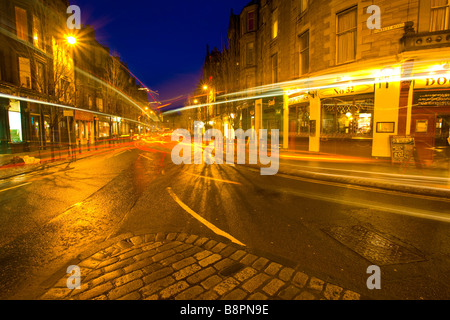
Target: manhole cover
x=372, y=246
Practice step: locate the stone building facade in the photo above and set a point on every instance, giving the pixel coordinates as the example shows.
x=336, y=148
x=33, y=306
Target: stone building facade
x=330, y=82
x=44, y=100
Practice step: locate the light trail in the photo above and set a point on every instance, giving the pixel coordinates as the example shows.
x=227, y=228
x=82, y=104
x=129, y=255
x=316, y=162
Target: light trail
x=308, y=85
x=8, y=96
x=95, y=78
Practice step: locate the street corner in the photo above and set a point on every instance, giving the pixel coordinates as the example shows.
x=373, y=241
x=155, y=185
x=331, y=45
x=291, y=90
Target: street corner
x=181, y=266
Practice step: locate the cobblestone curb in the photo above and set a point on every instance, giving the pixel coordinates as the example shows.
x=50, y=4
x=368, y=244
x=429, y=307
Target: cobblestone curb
x=189, y=267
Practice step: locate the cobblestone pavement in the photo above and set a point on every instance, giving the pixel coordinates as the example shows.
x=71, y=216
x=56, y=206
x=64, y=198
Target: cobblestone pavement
x=189, y=267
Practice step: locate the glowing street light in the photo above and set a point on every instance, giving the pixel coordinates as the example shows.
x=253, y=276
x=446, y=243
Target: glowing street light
x=71, y=40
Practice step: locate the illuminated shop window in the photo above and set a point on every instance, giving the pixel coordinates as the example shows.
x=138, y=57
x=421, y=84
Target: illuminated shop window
x=347, y=119
x=15, y=122
x=103, y=129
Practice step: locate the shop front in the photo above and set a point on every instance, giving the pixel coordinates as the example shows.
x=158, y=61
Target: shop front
x=84, y=127
x=272, y=116
x=103, y=128
x=347, y=120
x=299, y=121
x=430, y=118
x=247, y=115
x=15, y=133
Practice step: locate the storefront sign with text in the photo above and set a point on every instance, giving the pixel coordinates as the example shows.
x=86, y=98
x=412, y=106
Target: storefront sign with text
x=437, y=81
x=345, y=91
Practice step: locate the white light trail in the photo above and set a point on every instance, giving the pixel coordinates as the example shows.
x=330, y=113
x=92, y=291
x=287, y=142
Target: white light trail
x=7, y=96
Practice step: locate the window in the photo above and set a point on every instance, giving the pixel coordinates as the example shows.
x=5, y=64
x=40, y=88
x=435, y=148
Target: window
x=40, y=77
x=250, y=53
x=346, y=36
x=1, y=65
x=347, y=117
x=21, y=24
x=303, y=5
x=275, y=68
x=37, y=33
x=103, y=129
x=15, y=122
x=251, y=21
x=304, y=53
x=99, y=103
x=25, y=72
x=439, y=15
x=64, y=87
x=90, y=102
x=275, y=24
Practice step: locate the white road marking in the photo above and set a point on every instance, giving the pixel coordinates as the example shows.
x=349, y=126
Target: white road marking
x=201, y=219
x=15, y=187
x=141, y=155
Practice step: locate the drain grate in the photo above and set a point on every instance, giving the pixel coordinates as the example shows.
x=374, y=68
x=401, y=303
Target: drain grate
x=372, y=246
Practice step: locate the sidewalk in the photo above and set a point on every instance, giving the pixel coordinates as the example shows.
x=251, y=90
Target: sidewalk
x=430, y=181
x=20, y=163
x=187, y=267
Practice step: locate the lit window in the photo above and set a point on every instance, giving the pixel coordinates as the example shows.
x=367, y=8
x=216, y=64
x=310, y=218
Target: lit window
x=250, y=53
x=439, y=15
x=275, y=24
x=21, y=24
x=37, y=33
x=25, y=72
x=304, y=53
x=303, y=5
x=346, y=36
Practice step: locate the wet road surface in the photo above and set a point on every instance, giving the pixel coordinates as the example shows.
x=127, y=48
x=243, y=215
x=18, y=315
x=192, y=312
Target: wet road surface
x=332, y=230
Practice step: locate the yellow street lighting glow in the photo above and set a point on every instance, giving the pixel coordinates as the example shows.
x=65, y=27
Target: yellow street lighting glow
x=71, y=40
x=205, y=87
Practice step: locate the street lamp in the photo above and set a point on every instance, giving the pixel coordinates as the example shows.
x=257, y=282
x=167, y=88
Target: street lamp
x=71, y=40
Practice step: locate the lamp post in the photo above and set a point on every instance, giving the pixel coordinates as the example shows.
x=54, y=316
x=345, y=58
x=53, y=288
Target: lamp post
x=71, y=41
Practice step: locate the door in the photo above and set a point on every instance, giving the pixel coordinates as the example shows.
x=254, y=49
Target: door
x=442, y=136
x=423, y=130
x=292, y=132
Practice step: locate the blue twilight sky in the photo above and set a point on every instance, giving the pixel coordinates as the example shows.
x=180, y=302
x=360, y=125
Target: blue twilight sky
x=162, y=41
